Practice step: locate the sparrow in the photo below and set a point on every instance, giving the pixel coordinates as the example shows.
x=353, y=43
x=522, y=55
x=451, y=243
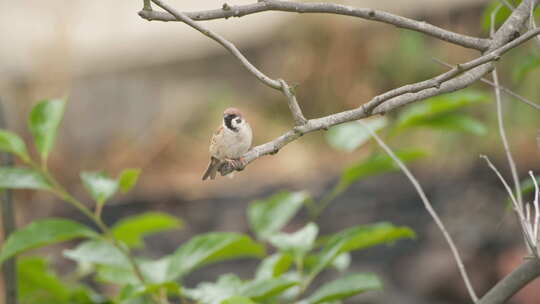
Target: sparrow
x=229, y=142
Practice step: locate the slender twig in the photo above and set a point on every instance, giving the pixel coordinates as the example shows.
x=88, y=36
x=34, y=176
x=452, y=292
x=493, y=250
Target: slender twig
x=500, y=122
x=429, y=208
x=504, y=139
x=228, y=11
x=503, y=88
x=512, y=283
x=507, y=4
x=517, y=208
x=8, y=225
x=224, y=42
x=295, y=109
x=536, y=211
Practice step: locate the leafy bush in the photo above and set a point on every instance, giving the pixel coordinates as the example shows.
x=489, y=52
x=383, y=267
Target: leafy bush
x=289, y=261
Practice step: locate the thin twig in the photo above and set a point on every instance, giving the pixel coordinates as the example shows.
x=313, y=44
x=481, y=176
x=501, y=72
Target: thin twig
x=507, y=4
x=517, y=207
x=224, y=42
x=228, y=11
x=295, y=109
x=430, y=210
x=504, y=89
x=504, y=139
x=536, y=211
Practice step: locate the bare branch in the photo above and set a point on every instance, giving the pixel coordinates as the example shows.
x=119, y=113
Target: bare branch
x=298, y=117
x=409, y=93
x=429, y=208
x=225, y=43
x=504, y=89
x=465, y=74
x=512, y=283
x=330, y=8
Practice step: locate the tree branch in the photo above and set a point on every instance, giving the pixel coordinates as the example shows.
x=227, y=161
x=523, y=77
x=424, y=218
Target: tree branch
x=512, y=283
x=409, y=93
x=455, y=79
x=329, y=8
x=298, y=117
x=504, y=89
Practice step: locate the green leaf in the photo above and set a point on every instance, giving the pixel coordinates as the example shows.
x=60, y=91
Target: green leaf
x=36, y=280
x=37, y=283
x=134, y=293
x=524, y=66
x=131, y=230
x=41, y=233
x=349, y=136
x=127, y=179
x=237, y=300
x=345, y=287
x=270, y=215
x=99, y=185
x=211, y=247
x=299, y=242
x=43, y=122
x=12, y=143
x=375, y=164
x=454, y=122
x=274, y=266
x=421, y=113
x=500, y=17
x=100, y=252
x=154, y=272
x=356, y=238
x=259, y=290
x=22, y=178
x=227, y=286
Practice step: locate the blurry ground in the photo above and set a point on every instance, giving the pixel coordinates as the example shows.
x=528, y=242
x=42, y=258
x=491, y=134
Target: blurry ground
x=151, y=97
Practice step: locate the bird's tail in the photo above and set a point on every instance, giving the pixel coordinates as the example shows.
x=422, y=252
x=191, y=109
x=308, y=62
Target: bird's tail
x=211, y=171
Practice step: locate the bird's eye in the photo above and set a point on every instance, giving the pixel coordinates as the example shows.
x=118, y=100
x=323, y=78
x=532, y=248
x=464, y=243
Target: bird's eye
x=238, y=120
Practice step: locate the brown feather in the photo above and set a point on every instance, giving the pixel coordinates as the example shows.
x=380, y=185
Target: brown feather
x=212, y=169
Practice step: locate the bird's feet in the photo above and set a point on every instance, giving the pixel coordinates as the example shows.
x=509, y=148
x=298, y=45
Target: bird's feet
x=232, y=165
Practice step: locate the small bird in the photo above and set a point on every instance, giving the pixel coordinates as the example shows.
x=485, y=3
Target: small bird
x=230, y=141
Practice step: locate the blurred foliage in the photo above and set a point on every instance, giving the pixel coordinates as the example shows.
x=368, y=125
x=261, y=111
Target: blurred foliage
x=411, y=62
x=529, y=63
x=441, y=112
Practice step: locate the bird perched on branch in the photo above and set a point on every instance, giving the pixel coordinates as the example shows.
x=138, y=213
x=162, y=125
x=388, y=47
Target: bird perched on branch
x=230, y=141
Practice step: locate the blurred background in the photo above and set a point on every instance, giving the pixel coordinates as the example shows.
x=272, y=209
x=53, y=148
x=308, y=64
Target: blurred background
x=149, y=95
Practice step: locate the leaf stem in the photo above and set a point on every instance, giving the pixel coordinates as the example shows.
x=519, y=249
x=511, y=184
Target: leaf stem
x=59, y=191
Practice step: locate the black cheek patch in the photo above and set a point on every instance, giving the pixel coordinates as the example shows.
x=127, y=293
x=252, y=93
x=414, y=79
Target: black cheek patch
x=228, y=122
